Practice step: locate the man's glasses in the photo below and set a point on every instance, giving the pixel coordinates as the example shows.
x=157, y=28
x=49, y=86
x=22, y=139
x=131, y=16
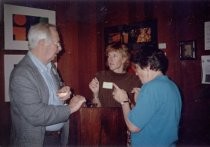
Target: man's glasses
x=58, y=45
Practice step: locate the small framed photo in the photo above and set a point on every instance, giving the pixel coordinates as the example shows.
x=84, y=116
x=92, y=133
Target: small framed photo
x=187, y=50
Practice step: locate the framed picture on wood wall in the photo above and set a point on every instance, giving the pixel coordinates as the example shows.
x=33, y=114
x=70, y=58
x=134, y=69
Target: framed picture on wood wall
x=17, y=21
x=9, y=62
x=133, y=35
x=187, y=50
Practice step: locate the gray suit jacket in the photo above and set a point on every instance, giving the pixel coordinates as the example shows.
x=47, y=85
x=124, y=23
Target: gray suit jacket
x=30, y=112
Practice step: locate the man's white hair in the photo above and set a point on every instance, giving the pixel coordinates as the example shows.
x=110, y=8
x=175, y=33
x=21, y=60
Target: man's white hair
x=38, y=32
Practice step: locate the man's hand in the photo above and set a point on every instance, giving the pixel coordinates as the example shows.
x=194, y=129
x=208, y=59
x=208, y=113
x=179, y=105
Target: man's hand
x=64, y=93
x=76, y=102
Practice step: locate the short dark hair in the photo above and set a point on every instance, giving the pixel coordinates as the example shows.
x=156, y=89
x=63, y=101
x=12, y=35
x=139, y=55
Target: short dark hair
x=151, y=57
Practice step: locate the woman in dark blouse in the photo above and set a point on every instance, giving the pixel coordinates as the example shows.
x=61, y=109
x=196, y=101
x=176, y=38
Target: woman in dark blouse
x=118, y=60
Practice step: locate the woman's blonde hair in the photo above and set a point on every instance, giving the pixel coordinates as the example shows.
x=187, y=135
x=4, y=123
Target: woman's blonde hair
x=122, y=49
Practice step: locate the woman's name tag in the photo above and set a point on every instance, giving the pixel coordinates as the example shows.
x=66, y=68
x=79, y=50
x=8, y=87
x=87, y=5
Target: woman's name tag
x=107, y=85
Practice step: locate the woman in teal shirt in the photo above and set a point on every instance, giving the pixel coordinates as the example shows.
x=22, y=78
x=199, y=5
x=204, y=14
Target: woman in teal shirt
x=154, y=121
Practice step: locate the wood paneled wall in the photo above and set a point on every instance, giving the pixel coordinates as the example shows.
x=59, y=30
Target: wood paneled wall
x=81, y=25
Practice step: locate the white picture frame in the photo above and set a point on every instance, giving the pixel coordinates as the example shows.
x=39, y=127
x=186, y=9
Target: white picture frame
x=205, y=64
x=9, y=63
x=12, y=11
x=207, y=35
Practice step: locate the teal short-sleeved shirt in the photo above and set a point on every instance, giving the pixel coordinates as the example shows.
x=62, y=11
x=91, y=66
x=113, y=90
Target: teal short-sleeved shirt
x=157, y=113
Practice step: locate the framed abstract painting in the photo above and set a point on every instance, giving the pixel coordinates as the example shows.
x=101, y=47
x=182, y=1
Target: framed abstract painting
x=133, y=35
x=17, y=21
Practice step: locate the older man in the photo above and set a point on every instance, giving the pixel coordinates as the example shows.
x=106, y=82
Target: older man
x=39, y=115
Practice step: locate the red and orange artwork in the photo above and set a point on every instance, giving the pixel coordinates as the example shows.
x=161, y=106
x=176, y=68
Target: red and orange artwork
x=19, y=27
x=114, y=37
x=144, y=35
x=22, y=23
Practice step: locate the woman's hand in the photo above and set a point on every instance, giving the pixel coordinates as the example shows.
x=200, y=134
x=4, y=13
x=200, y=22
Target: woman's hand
x=94, y=87
x=135, y=91
x=119, y=95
